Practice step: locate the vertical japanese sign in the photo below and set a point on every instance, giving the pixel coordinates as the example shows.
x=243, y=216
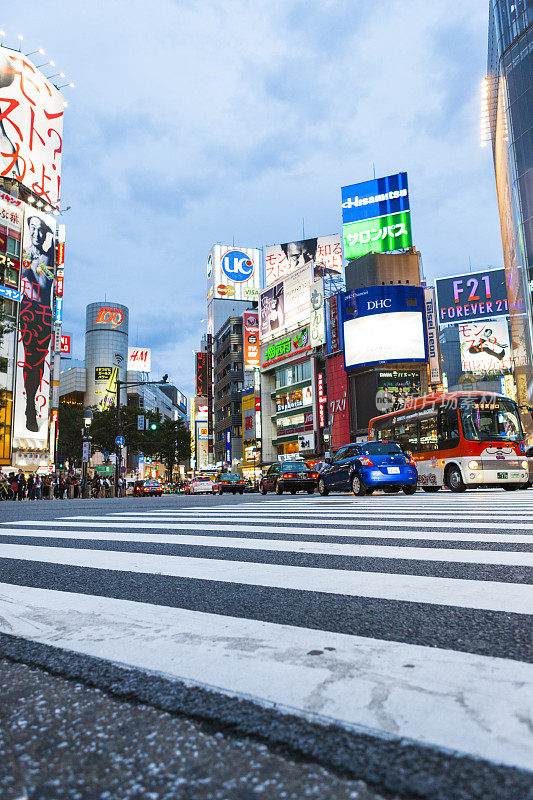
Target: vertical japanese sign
x=317, y=326
x=251, y=340
x=228, y=446
x=433, y=336
x=31, y=126
x=201, y=374
x=35, y=331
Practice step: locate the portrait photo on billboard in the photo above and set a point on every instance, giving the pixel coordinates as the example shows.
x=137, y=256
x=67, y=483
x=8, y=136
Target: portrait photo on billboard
x=35, y=327
x=485, y=346
x=383, y=324
x=31, y=126
x=323, y=252
x=272, y=311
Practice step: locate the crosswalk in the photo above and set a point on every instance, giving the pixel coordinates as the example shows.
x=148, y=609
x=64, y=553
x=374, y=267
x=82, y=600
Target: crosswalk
x=406, y=617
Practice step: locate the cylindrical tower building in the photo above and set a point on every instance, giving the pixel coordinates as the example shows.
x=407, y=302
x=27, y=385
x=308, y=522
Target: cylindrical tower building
x=106, y=352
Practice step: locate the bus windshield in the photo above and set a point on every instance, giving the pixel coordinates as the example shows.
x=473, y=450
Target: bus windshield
x=490, y=418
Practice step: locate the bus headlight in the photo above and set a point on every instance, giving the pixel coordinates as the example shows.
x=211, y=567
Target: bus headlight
x=524, y=464
x=473, y=465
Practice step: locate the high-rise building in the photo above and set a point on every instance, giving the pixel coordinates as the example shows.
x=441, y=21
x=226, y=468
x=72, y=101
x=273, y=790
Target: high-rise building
x=508, y=123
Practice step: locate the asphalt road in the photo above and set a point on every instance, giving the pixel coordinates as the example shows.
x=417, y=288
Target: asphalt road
x=388, y=637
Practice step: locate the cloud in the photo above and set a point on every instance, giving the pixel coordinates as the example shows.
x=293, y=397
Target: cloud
x=193, y=123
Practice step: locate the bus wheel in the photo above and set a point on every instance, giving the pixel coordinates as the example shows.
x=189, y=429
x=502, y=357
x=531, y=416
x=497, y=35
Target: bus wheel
x=430, y=488
x=510, y=487
x=454, y=479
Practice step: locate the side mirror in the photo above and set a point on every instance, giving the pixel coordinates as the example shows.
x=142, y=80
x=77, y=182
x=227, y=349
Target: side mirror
x=327, y=460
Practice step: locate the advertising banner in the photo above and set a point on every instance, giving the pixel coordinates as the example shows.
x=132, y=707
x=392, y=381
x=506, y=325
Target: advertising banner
x=290, y=345
x=474, y=295
x=383, y=324
x=31, y=126
x=377, y=235
x=317, y=324
x=181, y=401
x=234, y=273
x=286, y=304
x=435, y=376
x=139, y=359
x=295, y=399
x=324, y=253
x=395, y=387
x=306, y=442
x=228, y=446
x=35, y=331
x=378, y=197
x=251, y=340
x=248, y=416
x=485, y=346
x=65, y=344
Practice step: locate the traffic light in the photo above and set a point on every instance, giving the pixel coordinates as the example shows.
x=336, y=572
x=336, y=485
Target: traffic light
x=153, y=426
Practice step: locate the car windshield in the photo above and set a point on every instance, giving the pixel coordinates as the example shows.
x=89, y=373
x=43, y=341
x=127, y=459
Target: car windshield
x=295, y=466
x=381, y=449
x=490, y=418
x=229, y=476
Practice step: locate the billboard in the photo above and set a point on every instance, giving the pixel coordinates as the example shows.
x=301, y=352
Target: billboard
x=383, y=324
x=31, y=126
x=248, y=415
x=376, y=216
x=65, y=344
x=474, y=295
x=181, y=400
x=485, y=346
x=233, y=273
x=396, y=387
x=35, y=331
x=250, y=329
x=201, y=374
x=290, y=345
x=139, y=359
x=286, y=304
x=378, y=197
x=323, y=252
x=317, y=322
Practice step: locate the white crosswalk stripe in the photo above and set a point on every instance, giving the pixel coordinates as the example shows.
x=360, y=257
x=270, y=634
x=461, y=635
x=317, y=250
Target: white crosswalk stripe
x=421, y=600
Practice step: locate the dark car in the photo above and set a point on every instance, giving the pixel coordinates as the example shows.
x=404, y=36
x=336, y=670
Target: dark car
x=147, y=489
x=229, y=482
x=369, y=466
x=291, y=476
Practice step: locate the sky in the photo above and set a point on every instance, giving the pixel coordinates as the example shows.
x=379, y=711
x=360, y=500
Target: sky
x=195, y=122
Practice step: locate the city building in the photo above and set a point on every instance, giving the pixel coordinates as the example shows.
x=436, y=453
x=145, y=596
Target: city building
x=508, y=124
x=228, y=384
x=32, y=250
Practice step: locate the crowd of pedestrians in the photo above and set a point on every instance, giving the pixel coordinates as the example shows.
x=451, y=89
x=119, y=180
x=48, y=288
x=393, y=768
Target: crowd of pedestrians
x=18, y=486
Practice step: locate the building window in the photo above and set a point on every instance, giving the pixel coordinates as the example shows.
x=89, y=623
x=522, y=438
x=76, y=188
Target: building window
x=13, y=246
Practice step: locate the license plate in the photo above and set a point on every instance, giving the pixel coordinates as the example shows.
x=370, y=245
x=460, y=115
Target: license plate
x=502, y=476
x=393, y=470
x=515, y=474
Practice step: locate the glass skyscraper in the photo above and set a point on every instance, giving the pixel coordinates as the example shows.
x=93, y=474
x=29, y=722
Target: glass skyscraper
x=509, y=109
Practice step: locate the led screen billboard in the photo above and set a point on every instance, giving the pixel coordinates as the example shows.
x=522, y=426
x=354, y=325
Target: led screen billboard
x=35, y=330
x=375, y=198
x=233, y=273
x=323, y=252
x=383, y=324
x=31, y=126
x=485, y=346
x=377, y=235
x=474, y=295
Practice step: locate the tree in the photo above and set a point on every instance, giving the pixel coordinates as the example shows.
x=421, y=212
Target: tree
x=173, y=443
x=70, y=425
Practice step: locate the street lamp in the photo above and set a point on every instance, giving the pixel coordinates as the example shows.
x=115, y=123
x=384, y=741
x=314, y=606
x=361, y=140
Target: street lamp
x=86, y=451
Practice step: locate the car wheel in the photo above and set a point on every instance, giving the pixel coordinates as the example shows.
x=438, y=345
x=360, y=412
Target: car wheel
x=263, y=490
x=322, y=488
x=430, y=488
x=410, y=489
x=242, y=491
x=279, y=489
x=454, y=480
x=358, y=487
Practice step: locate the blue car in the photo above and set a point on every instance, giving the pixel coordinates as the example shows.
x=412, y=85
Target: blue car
x=368, y=466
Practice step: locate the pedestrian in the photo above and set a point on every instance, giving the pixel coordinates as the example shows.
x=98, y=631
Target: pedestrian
x=14, y=485
x=31, y=487
x=38, y=488
x=21, y=486
x=62, y=487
